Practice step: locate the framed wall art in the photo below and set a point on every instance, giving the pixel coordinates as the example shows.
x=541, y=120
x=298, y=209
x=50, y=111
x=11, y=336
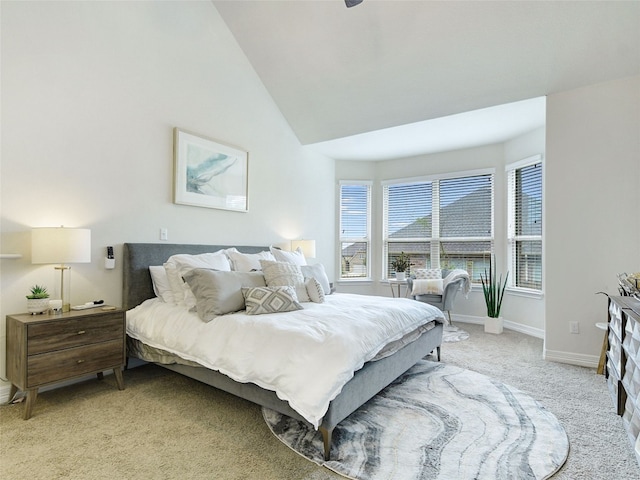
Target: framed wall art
x=209, y=174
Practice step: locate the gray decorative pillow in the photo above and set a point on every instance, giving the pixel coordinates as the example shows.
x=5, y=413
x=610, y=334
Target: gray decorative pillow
x=318, y=272
x=218, y=293
x=314, y=289
x=278, y=274
x=260, y=300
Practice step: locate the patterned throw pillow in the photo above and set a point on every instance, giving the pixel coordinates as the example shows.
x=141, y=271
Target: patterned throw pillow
x=261, y=300
x=426, y=273
x=315, y=290
x=282, y=273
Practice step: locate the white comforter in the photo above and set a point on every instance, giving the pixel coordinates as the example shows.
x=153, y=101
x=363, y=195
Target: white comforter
x=306, y=356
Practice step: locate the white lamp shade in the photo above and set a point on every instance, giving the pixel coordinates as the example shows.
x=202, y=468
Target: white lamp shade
x=308, y=247
x=60, y=245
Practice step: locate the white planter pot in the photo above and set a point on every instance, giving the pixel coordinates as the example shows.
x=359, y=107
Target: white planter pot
x=493, y=325
x=401, y=276
x=37, y=305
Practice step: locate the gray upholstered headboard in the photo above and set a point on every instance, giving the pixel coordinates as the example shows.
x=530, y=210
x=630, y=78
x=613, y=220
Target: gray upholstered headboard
x=138, y=257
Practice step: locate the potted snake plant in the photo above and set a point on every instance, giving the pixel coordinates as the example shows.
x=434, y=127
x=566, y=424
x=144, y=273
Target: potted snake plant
x=493, y=289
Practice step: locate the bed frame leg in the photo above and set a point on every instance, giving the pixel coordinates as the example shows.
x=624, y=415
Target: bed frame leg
x=438, y=352
x=326, y=440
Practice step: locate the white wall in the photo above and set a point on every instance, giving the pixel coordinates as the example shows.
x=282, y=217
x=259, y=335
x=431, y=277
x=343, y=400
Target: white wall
x=90, y=94
x=592, y=213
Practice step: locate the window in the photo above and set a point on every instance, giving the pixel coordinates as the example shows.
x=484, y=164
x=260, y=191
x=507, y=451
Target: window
x=355, y=220
x=524, y=184
x=407, y=223
x=440, y=223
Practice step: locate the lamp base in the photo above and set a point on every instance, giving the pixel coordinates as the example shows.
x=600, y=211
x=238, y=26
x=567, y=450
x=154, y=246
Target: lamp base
x=64, y=292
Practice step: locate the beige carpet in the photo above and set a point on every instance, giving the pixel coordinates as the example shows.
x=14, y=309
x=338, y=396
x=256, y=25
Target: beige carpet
x=164, y=426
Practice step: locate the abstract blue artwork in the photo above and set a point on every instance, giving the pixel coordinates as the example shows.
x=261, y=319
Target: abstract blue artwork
x=209, y=174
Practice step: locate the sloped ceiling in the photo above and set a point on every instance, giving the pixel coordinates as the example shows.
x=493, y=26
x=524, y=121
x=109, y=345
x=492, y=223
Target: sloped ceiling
x=337, y=72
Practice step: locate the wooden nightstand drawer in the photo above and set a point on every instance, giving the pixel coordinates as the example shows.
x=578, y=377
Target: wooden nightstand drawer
x=44, y=349
x=58, y=335
x=72, y=362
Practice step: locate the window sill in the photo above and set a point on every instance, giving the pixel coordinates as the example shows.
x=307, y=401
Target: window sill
x=355, y=281
x=525, y=292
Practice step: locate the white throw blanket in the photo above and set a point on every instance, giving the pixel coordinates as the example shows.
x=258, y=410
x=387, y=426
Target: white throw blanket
x=457, y=274
x=306, y=356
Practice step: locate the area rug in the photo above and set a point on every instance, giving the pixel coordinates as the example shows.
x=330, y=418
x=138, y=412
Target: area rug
x=437, y=421
x=451, y=333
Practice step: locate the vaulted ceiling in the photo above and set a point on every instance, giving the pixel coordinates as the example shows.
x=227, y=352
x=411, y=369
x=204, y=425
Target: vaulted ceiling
x=337, y=72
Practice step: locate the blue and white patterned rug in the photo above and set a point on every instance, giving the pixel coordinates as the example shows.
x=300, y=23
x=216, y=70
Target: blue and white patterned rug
x=437, y=421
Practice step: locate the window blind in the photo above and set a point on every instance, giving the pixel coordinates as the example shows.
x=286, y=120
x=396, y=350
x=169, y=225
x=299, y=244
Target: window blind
x=524, y=183
x=355, y=214
x=466, y=223
x=442, y=222
x=408, y=223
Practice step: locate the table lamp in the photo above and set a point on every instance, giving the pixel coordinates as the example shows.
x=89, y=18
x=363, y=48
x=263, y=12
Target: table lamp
x=308, y=247
x=61, y=245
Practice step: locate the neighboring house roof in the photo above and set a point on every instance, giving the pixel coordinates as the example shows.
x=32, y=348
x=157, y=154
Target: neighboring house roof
x=476, y=222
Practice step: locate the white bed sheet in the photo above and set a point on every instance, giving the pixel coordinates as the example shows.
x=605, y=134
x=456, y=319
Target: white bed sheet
x=305, y=356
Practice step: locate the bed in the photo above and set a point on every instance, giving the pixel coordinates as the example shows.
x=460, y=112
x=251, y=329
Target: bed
x=364, y=383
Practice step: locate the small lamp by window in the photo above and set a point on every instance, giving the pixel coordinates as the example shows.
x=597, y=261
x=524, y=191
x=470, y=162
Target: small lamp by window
x=61, y=245
x=308, y=247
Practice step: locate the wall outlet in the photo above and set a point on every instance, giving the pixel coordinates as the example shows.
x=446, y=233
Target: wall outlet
x=574, y=327
x=164, y=234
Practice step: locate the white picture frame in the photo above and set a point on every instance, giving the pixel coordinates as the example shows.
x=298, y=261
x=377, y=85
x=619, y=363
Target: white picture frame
x=208, y=173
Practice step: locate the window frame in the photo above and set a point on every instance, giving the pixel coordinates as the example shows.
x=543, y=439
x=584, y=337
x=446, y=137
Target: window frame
x=435, y=240
x=512, y=225
x=367, y=239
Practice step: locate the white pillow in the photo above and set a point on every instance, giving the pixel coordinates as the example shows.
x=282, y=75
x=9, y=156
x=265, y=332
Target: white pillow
x=246, y=262
x=178, y=265
x=175, y=282
x=427, y=286
x=318, y=272
x=216, y=260
x=161, y=285
x=296, y=257
x=285, y=274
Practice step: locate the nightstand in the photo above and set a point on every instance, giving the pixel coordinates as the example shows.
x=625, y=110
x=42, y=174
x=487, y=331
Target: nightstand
x=46, y=349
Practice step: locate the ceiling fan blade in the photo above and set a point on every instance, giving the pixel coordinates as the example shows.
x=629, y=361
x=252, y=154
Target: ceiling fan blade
x=352, y=3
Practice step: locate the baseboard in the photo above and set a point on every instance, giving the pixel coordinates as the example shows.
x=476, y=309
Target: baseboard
x=516, y=327
x=579, y=359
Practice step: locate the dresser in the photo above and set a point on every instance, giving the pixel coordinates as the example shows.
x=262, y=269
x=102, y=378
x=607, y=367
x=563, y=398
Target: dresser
x=46, y=349
x=623, y=363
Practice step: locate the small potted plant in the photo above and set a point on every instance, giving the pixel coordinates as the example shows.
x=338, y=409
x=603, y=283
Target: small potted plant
x=38, y=300
x=401, y=264
x=493, y=289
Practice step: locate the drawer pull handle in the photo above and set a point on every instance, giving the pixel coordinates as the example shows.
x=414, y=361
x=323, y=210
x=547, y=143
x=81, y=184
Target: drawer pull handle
x=81, y=332
x=80, y=361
